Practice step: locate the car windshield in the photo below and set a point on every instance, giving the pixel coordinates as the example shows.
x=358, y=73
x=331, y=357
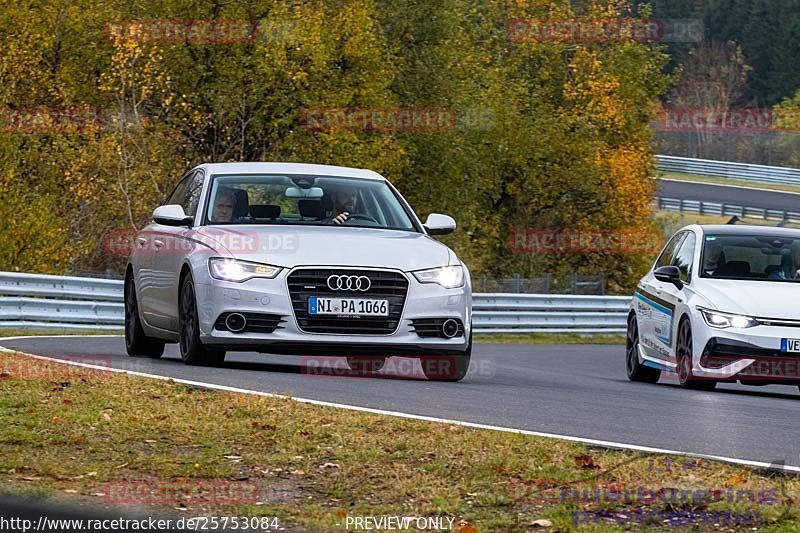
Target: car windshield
x=305, y=200
x=751, y=257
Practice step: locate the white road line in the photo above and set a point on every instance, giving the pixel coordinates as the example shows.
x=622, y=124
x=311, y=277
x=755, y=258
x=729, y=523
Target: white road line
x=225, y=388
x=776, y=191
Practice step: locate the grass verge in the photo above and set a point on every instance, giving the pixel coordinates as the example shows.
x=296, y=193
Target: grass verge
x=26, y=332
x=548, y=338
x=92, y=438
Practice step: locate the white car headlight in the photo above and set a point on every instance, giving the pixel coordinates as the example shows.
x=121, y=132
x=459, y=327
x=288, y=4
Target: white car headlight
x=717, y=319
x=448, y=277
x=235, y=270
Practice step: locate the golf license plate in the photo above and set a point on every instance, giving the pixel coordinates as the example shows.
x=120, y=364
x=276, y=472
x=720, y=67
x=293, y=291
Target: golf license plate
x=790, y=345
x=347, y=306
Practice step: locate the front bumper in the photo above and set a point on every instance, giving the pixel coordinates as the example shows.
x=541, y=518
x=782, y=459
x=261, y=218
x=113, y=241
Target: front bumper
x=271, y=296
x=746, y=355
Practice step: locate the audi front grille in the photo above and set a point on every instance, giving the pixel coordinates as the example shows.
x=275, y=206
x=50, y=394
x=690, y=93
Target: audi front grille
x=383, y=285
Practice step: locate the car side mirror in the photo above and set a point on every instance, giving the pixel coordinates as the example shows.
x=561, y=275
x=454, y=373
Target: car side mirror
x=172, y=215
x=669, y=274
x=437, y=224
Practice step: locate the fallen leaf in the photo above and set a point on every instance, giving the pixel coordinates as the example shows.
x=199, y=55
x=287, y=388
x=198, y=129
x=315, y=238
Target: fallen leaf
x=736, y=480
x=66, y=401
x=105, y=416
x=585, y=462
x=466, y=527
x=71, y=491
x=4, y=375
x=330, y=465
x=542, y=522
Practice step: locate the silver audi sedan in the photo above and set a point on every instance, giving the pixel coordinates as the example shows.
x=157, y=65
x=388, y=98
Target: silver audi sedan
x=299, y=259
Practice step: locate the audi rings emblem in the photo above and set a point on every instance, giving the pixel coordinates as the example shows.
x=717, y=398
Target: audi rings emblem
x=349, y=283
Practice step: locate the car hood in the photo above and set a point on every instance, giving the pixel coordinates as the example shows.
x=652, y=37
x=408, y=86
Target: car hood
x=290, y=246
x=772, y=299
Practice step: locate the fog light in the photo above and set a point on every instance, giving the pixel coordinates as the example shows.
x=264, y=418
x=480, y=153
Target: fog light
x=235, y=322
x=450, y=328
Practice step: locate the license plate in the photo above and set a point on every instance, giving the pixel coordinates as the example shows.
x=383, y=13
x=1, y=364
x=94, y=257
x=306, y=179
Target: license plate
x=347, y=306
x=790, y=345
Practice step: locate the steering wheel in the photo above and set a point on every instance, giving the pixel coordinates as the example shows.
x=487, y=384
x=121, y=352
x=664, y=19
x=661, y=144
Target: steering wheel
x=360, y=216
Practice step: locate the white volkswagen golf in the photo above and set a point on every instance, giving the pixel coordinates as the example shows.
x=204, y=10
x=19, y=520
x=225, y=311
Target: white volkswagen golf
x=297, y=259
x=719, y=305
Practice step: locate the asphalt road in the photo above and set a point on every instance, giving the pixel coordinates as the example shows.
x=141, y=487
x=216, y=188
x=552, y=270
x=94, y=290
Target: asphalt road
x=743, y=196
x=575, y=390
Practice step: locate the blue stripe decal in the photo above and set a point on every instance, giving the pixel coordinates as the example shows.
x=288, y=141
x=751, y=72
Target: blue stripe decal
x=650, y=302
x=655, y=365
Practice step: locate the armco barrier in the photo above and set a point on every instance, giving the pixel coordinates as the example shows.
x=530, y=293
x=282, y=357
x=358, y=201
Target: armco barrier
x=712, y=208
x=36, y=302
x=728, y=169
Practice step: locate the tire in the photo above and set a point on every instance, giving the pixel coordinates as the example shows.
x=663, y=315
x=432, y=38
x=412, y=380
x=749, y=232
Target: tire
x=683, y=357
x=447, y=367
x=192, y=350
x=136, y=342
x=637, y=371
x=366, y=363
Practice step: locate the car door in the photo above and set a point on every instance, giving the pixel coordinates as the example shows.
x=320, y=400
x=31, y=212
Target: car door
x=171, y=246
x=147, y=241
x=672, y=295
x=654, y=306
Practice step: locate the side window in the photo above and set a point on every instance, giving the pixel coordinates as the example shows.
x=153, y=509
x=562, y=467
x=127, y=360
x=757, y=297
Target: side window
x=669, y=250
x=195, y=190
x=684, y=257
x=187, y=193
x=180, y=195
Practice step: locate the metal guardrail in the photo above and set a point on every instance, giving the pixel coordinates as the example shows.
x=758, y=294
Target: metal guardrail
x=36, y=302
x=728, y=169
x=711, y=208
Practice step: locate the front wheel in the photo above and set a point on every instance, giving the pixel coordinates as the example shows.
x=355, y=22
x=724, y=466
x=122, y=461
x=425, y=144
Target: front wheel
x=447, y=367
x=683, y=356
x=192, y=350
x=136, y=342
x=636, y=370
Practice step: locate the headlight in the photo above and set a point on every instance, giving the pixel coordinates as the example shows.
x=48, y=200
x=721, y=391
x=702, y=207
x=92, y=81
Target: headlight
x=716, y=319
x=234, y=270
x=448, y=277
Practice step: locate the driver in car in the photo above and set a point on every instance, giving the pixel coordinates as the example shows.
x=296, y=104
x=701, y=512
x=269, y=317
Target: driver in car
x=344, y=203
x=223, y=205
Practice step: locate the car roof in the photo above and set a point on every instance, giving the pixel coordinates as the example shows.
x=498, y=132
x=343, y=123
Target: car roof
x=290, y=168
x=744, y=229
